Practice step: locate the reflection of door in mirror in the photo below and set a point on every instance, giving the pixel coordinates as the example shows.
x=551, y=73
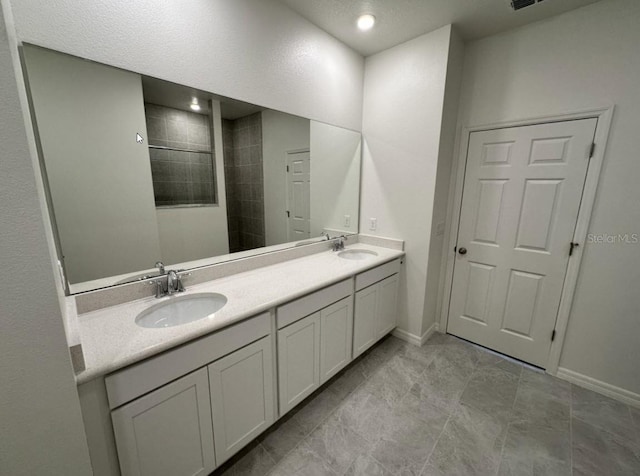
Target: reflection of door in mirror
x=298, y=191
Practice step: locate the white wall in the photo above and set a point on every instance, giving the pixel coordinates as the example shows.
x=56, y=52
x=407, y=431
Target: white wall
x=403, y=105
x=42, y=431
x=583, y=59
x=99, y=177
x=437, y=248
x=258, y=51
x=336, y=154
x=280, y=133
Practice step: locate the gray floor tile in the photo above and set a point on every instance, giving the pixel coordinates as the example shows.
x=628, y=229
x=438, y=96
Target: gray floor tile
x=488, y=359
x=256, y=462
x=445, y=378
x=528, y=442
x=598, y=452
x=347, y=381
x=302, y=461
x=471, y=443
x=635, y=416
x=438, y=338
x=316, y=410
x=602, y=412
x=492, y=391
x=512, y=466
x=551, y=386
x=364, y=413
x=394, y=379
x=366, y=466
x=337, y=444
x=536, y=405
x=281, y=439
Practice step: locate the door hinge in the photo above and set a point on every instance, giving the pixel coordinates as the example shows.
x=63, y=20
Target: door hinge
x=287, y=169
x=553, y=335
x=455, y=249
x=288, y=214
x=572, y=245
x=592, y=150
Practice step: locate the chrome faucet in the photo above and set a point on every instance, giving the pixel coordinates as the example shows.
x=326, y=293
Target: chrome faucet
x=169, y=282
x=337, y=244
x=325, y=235
x=172, y=282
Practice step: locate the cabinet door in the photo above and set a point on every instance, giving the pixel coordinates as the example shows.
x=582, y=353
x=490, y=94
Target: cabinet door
x=336, y=328
x=241, y=397
x=364, y=320
x=298, y=361
x=168, y=431
x=386, y=312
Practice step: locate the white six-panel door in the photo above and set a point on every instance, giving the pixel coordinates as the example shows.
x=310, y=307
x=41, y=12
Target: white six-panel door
x=298, y=195
x=522, y=192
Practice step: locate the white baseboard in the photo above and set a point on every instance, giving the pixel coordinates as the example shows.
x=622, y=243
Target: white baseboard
x=617, y=393
x=412, y=338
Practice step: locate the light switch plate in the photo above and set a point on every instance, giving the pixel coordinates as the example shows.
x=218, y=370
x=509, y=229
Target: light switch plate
x=373, y=224
x=347, y=220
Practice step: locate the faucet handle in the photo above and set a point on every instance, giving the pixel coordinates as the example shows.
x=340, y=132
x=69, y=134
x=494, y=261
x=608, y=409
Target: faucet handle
x=159, y=287
x=160, y=266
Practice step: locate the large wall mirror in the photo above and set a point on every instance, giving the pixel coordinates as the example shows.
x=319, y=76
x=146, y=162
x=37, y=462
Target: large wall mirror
x=139, y=170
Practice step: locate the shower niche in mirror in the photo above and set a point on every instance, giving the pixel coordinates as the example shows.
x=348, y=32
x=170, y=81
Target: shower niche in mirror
x=139, y=170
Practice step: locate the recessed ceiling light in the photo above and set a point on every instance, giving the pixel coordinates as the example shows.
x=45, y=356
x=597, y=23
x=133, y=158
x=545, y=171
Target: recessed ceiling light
x=366, y=21
x=194, y=104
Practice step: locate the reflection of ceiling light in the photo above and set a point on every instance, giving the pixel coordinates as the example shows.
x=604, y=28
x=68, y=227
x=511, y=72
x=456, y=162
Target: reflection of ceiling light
x=194, y=104
x=366, y=21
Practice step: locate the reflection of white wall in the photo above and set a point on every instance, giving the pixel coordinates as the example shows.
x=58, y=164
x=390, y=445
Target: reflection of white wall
x=280, y=133
x=99, y=176
x=188, y=234
x=335, y=178
x=582, y=59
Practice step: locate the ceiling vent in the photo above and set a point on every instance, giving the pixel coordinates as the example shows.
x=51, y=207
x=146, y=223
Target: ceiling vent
x=518, y=4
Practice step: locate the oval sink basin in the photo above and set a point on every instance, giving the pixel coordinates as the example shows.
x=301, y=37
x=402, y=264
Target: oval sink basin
x=357, y=254
x=181, y=310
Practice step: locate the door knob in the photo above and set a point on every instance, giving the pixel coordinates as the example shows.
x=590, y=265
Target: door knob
x=462, y=251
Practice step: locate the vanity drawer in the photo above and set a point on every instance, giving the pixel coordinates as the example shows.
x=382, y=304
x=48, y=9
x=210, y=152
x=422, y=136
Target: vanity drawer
x=138, y=379
x=313, y=302
x=374, y=275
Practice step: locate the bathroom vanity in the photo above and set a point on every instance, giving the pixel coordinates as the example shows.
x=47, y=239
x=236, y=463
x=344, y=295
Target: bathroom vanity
x=184, y=399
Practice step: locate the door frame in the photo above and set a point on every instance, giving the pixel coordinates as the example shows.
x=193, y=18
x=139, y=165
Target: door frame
x=287, y=205
x=456, y=187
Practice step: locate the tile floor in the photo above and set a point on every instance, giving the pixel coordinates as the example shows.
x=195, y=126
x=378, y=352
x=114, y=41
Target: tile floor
x=447, y=408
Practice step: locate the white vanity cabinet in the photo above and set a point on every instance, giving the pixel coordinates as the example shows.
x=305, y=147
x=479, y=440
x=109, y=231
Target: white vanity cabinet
x=188, y=410
x=375, y=305
x=314, y=341
x=168, y=431
x=242, y=397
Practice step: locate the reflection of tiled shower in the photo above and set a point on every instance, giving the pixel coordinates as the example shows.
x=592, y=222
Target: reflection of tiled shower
x=181, y=156
x=242, y=139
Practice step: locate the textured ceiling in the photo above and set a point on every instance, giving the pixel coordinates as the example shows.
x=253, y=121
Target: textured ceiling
x=402, y=20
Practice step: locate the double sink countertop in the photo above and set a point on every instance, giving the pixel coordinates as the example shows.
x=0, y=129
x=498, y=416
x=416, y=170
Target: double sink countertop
x=111, y=339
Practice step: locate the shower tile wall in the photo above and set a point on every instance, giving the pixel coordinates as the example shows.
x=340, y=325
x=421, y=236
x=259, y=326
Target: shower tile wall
x=180, y=178
x=244, y=182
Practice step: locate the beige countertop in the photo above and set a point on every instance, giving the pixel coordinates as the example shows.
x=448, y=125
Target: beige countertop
x=112, y=340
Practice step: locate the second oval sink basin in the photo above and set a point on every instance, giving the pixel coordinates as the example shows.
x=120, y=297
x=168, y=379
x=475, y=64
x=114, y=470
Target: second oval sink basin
x=357, y=254
x=181, y=310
